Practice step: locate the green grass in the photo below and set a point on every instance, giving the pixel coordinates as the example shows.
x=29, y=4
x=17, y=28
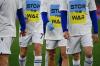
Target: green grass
x=15, y=53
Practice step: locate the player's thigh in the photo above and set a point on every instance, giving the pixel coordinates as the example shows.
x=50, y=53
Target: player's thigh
x=74, y=45
x=24, y=40
x=87, y=43
x=51, y=44
x=63, y=51
x=37, y=38
x=62, y=44
x=86, y=40
x=5, y=45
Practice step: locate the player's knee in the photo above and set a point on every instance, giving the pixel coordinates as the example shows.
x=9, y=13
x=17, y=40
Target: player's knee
x=76, y=56
x=37, y=52
x=63, y=55
x=88, y=52
x=22, y=54
x=38, y=49
x=51, y=55
x=88, y=55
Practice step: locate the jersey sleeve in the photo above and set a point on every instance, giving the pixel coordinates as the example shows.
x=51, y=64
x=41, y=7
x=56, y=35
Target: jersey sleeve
x=44, y=6
x=19, y=4
x=92, y=5
x=63, y=5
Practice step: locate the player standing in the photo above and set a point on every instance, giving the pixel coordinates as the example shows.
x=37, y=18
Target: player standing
x=8, y=10
x=34, y=32
x=53, y=30
x=81, y=18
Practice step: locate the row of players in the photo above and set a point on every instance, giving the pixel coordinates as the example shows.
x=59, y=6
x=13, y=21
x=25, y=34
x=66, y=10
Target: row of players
x=62, y=23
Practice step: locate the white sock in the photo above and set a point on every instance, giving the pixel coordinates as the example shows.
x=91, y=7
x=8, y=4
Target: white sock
x=38, y=61
x=88, y=61
x=22, y=61
x=76, y=63
x=46, y=59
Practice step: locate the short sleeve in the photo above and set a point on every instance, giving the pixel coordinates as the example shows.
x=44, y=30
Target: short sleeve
x=63, y=5
x=92, y=5
x=19, y=3
x=44, y=6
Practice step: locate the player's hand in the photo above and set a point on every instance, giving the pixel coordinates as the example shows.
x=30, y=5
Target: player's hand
x=95, y=37
x=66, y=35
x=50, y=26
x=22, y=33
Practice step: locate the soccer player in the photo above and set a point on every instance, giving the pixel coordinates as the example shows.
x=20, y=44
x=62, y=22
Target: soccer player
x=8, y=10
x=34, y=32
x=81, y=18
x=50, y=11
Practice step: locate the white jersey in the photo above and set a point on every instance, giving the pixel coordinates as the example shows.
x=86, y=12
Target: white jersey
x=52, y=7
x=8, y=10
x=79, y=21
x=33, y=16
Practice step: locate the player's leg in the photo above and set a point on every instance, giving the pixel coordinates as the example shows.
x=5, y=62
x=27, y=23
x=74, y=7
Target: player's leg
x=63, y=47
x=76, y=59
x=46, y=58
x=65, y=60
x=74, y=49
x=88, y=56
x=51, y=57
x=5, y=44
x=38, y=41
x=4, y=60
x=22, y=56
x=88, y=47
x=23, y=48
x=38, y=54
x=50, y=46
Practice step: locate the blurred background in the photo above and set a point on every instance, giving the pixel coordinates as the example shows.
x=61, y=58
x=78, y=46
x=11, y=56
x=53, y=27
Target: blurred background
x=98, y=8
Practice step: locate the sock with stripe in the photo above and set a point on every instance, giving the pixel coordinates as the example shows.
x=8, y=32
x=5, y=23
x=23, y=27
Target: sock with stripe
x=76, y=63
x=37, y=60
x=88, y=61
x=46, y=59
x=22, y=61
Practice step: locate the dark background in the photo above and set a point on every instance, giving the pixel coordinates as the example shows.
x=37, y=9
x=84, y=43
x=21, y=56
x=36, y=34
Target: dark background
x=98, y=2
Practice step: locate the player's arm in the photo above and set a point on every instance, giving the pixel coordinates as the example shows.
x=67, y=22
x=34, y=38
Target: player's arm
x=94, y=21
x=63, y=11
x=64, y=20
x=45, y=20
x=44, y=14
x=22, y=21
x=64, y=23
x=93, y=16
x=95, y=25
x=92, y=8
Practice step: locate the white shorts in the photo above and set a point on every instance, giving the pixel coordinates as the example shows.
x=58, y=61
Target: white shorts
x=5, y=45
x=52, y=44
x=75, y=43
x=31, y=37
